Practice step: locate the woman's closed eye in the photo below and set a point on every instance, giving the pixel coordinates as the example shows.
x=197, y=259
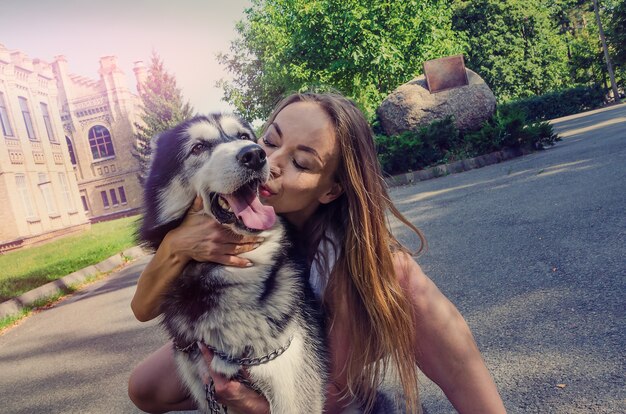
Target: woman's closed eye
x=300, y=166
x=267, y=141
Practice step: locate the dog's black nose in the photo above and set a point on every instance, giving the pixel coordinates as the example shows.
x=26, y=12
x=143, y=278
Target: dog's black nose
x=252, y=157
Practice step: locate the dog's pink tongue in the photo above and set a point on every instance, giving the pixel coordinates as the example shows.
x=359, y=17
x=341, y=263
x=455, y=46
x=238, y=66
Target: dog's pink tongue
x=249, y=209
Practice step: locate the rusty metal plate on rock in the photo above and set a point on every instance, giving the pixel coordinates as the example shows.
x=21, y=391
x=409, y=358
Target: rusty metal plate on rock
x=445, y=73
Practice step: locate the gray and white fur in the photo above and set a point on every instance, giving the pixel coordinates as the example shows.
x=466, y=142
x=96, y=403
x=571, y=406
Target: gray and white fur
x=242, y=312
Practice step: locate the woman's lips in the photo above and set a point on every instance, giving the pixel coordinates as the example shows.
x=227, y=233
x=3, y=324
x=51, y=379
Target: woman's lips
x=265, y=192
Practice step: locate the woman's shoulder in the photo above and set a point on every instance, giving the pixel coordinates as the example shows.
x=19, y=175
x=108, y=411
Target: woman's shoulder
x=411, y=277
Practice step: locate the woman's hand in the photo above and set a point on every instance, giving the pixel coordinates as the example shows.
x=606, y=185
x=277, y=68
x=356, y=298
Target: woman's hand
x=200, y=238
x=203, y=239
x=233, y=394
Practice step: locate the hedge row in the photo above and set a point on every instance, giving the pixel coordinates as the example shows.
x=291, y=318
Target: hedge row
x=558, y=104
x=442, y=142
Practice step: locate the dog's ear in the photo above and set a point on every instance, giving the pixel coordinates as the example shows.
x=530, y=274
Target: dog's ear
x=166, y=148
x=154, y=143
x=166, y=197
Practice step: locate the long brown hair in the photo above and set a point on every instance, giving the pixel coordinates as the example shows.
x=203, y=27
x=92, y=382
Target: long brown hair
x=382, y=328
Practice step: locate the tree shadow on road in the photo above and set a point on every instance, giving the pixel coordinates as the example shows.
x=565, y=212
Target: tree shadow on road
x=531, y=251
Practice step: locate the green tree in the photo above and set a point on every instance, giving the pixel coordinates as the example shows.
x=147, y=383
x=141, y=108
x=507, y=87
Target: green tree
x=586, y=60
x=616, y=33
x=163, y=107
x=514, y=45
x=580, y=31
x=616, y=36
x=362, y=48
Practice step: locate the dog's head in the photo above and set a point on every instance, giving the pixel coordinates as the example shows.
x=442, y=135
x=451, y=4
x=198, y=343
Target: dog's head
x=213, y=156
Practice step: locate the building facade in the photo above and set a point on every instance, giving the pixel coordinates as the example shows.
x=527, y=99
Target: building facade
x=39, y=195
x=66, y=147
x=98, y=119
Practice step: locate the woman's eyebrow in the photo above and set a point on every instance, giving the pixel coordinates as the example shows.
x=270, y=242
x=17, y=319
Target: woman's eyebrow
x=304, y=148
x=277, y=128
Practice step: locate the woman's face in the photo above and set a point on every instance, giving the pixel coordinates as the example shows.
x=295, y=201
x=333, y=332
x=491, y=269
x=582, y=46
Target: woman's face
x=302, y=150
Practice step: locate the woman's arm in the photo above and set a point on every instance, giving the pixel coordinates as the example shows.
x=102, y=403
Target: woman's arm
x=200, y=238
x=446, y=351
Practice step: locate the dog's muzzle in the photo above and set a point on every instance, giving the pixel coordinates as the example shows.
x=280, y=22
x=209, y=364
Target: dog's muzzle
x=252, y=157
x=242, y=207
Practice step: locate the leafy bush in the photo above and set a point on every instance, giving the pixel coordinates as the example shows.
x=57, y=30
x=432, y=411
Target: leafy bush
x=540, y=135
x=487, y=139
x=399, y=153
x=414, y=150
x=441, y=141
x=558, y=104
x=510, y=128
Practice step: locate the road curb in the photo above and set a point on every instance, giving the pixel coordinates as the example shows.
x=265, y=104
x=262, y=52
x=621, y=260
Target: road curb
x=15, y=305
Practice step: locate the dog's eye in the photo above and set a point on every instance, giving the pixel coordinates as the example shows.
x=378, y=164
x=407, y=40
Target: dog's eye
x=245, y=135
x=198, y=149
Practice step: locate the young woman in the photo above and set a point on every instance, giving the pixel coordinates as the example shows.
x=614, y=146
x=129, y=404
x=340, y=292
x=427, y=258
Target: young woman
x=383, y=311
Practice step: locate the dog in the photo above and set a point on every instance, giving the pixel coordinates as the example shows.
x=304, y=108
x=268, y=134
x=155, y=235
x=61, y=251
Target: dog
x=263, y=319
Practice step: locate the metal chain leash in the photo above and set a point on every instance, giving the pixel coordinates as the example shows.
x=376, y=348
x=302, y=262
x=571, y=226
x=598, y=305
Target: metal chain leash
x=248, y=361
x=214, y=406
x=185, y=349
x=245, y=381
x=209, y=389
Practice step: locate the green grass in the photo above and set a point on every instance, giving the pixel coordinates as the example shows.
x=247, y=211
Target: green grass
x=10, y=320
x=26, y=269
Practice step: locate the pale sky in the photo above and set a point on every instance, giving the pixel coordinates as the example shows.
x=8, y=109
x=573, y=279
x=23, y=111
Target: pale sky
x=187, y=34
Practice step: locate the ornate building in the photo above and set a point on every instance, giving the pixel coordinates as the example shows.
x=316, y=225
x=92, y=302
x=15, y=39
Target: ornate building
x=98, y=118
x=38, y=190
x=65, y=147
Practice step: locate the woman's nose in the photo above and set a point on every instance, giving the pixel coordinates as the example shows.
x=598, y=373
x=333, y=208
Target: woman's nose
x=275, y=163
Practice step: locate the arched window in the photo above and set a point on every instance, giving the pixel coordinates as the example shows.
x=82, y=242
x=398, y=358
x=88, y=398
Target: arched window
x=100, y=142
x=70, y=148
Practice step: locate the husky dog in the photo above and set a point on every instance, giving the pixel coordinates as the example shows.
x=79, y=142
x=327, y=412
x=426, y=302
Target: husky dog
x=264, y=318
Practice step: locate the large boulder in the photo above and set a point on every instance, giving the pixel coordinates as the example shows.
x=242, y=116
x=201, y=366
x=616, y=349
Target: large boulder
x=412, y=105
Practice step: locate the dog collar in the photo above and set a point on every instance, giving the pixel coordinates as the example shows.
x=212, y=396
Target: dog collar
x=244, y=361
x=251, y=361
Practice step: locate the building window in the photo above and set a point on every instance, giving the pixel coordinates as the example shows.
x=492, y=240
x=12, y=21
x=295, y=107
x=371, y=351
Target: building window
x=122, y=194
x=113, y=197
x=46, y=191
x=70, y=149
x=105, y=199
x=85, y=204
x=47, y=122
x=4, y=118
x=28, y=121
x=67, y=195
x=100, y=142
x=22, y=189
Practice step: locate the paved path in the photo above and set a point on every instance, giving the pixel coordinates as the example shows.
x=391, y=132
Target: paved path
x=531, y=251
x=76, y=356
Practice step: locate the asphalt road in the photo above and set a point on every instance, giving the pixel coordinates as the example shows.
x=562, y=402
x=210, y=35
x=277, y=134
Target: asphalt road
x=532, y=251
